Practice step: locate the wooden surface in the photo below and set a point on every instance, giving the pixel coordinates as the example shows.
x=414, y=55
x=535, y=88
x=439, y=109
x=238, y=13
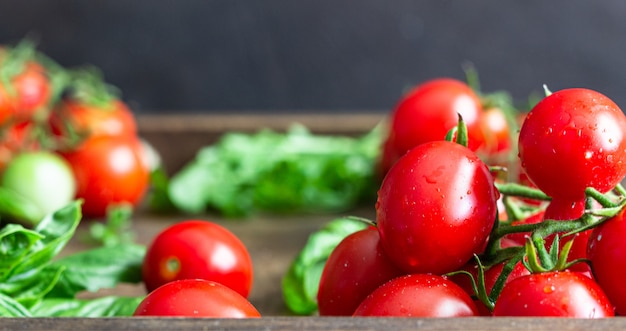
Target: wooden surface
x=273, y=242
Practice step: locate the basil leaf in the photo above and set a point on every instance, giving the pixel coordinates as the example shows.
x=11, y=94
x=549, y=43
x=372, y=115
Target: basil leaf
x=15, y=242
x=109, y=306
x=301, y=282
x=99, y=268
x=57, y=229
x=295, y=171
x=12, y=308
x=16, y=207
x=31, y=288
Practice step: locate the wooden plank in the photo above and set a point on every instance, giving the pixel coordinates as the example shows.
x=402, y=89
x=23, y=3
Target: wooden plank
x=313, y=323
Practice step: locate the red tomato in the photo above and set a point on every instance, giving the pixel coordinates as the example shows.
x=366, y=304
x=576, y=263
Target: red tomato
x=109, y=171
x=355, y=268
x=496, y=131
x=555, y=294
x=418, y=295
x=111, y=119
x=16, y=138
x=607, y=253
x=25, y=88
x=427, y=113
x=198, y=249
x=571, y=140
x=436, y=208
x=196, y=298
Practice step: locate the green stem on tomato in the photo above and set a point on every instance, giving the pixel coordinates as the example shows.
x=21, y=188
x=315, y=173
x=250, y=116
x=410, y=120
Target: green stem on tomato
x=522, y=191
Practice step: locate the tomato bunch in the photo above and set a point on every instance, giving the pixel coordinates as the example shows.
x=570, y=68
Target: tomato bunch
x=457, y=234
x=67, y=118
x=197, y=268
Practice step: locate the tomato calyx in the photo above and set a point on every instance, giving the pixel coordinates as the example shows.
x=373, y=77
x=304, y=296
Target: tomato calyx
x=88, y=86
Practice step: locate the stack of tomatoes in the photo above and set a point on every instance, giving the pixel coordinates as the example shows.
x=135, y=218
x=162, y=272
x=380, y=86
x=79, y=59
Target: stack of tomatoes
x=64, y=134
x=456, y=234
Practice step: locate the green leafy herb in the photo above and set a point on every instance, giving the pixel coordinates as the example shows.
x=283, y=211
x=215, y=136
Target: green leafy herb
x=301, y=282
x=295, y=171
x=116, y=230
x=34, y=283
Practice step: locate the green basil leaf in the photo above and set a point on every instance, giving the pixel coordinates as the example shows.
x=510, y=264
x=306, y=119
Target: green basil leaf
x=12, y=308
x=16, y=207
x=30, y=288
x=295, y=171
x=15, y=242
x=99, y=268
x=109, y=306
x=57, y=229
x=301, y=282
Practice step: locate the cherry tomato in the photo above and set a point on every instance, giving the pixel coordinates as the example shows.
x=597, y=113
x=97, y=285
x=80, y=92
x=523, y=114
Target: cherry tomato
x=427, y=113
x=196, y=298
x=27, y=93
x=418, y=295
x=15, y=138
x=198, y=249
x=571, y=140
x=112, y=118
x=355, y=268
x=497, y=131
x=108, y=171
x=607, y=253
x=43, y=178
x=555, y=294
x=436, y=207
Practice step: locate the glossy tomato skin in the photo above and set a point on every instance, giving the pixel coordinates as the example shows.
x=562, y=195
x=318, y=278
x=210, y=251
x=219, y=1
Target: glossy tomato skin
x=111, y=119
x=427, y=113
x=198, y=249
x=108, y=171
x=607, y=253
x=553, y=294
x=26, y=94
x=196, y=298
x=571, y=140
x=355, y=268
x=435, y=208
x=418, y=295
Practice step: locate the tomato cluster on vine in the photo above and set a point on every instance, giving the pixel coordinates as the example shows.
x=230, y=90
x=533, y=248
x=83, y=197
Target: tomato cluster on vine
x=472, y=220
x=75, y=119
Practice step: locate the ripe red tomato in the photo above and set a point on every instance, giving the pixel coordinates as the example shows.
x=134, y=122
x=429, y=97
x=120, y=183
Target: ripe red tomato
x=196, y=298
x=607, y=253
x=427, y=113
x=355, y=268
x=418, y=295
x=16, y=138
x=198, y=249
x=26, y=93
x=108, y=171
x=112, y=118
x=571, y=140
x=496, y=130
x=436, y=208
x=555, y=294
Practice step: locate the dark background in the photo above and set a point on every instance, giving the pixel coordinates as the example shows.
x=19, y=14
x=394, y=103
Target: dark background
x=322, y=55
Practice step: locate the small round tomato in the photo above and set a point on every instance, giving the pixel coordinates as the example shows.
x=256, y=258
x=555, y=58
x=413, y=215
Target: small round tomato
x=112, y=118
x=355, y=268
x=109, y=171
x=436, y=208
x=607, y=253
x=198, y=249
x=427, y=113
x=555, y=294
x=418, y=295
x=196, y=298
x=571, y=140
x=496, y=130
x=43, y=178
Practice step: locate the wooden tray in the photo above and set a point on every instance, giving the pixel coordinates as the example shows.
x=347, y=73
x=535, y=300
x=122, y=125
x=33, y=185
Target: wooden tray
x=273, y=242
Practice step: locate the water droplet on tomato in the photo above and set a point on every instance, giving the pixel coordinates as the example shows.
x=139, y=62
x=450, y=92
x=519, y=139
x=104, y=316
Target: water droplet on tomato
x=548, y=289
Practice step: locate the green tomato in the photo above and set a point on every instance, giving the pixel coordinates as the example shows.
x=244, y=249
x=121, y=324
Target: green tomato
x=37, y=183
